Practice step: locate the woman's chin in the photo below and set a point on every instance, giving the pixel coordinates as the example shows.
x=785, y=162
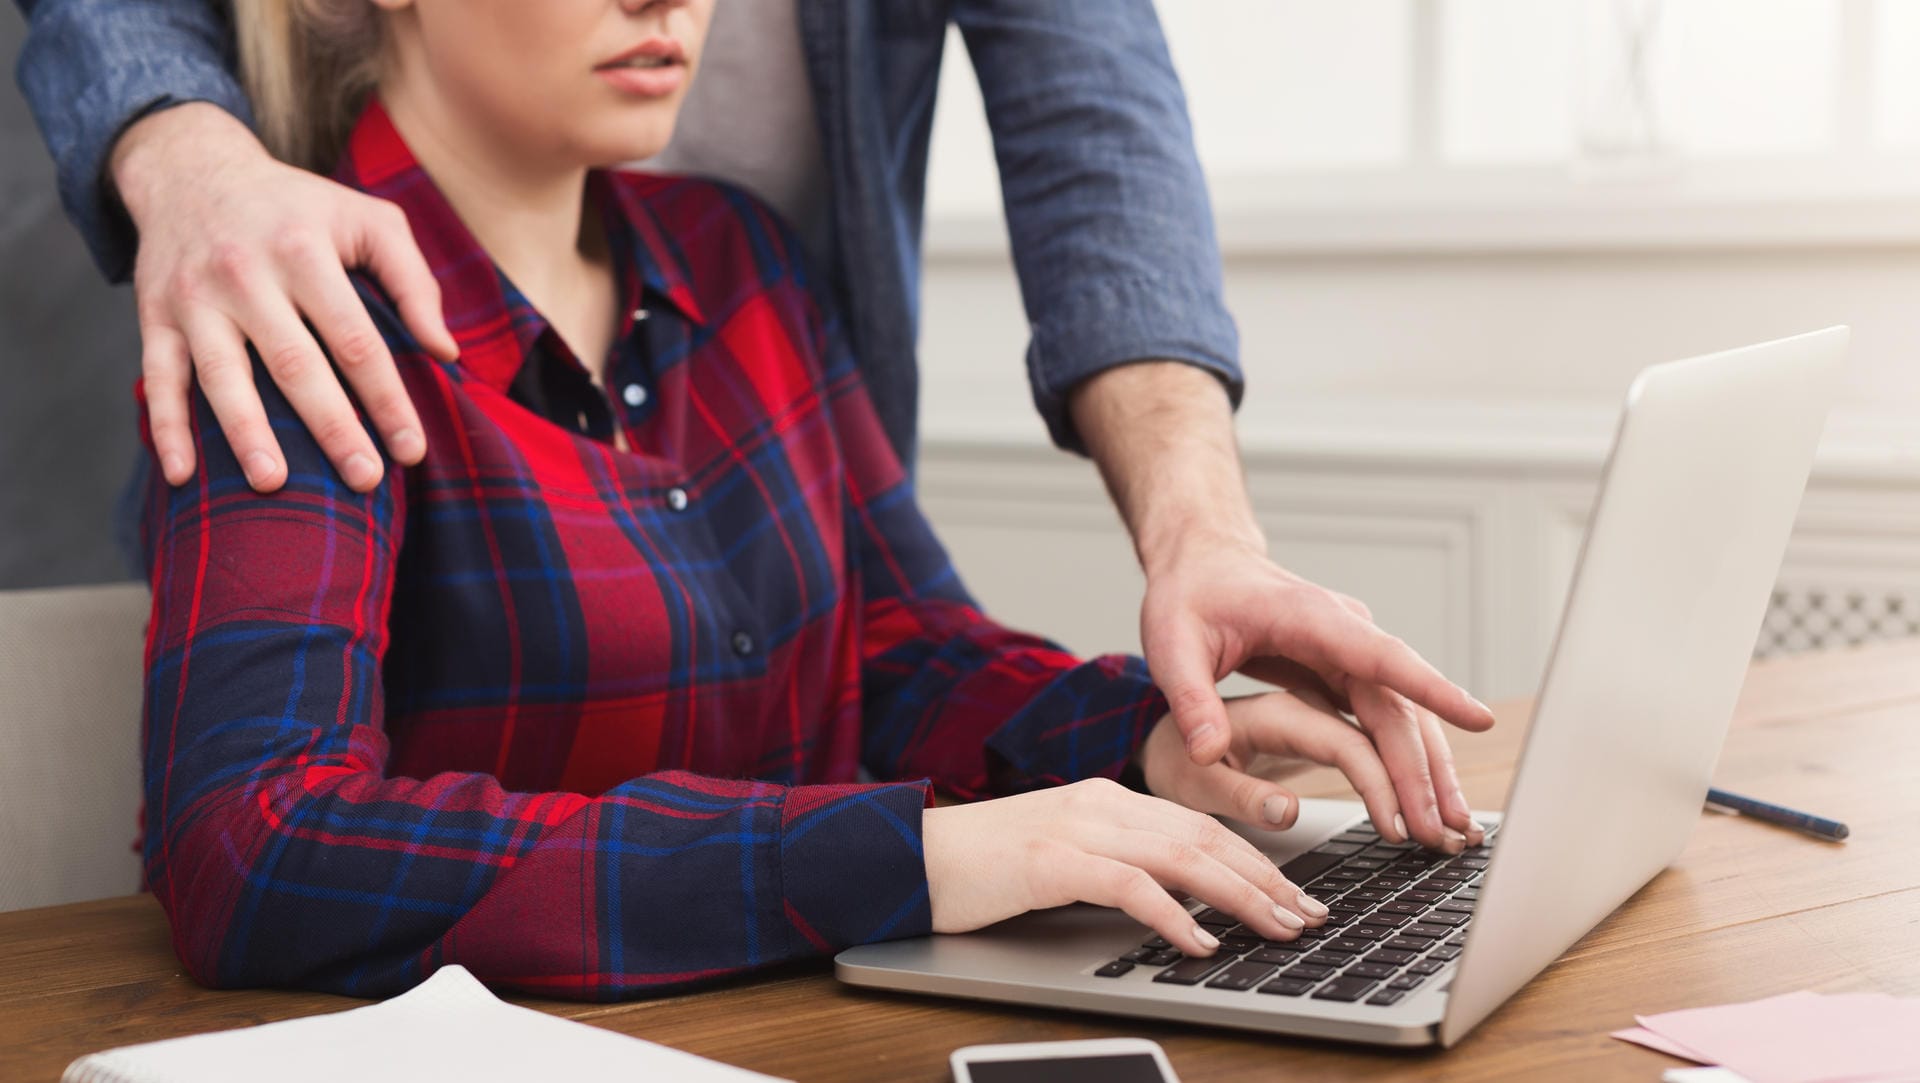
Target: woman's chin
x=624, y=140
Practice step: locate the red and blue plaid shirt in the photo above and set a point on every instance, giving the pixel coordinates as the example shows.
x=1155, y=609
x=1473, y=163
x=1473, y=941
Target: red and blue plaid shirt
x=583, y=720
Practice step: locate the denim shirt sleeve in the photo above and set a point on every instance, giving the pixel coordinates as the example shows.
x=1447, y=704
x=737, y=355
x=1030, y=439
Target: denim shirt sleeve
x=1106, y=205
x=90, y=68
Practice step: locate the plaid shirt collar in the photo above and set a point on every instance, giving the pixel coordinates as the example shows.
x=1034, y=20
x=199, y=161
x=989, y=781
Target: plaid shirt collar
x=649, y=267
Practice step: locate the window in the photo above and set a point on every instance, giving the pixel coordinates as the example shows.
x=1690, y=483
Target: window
x=1288, y=89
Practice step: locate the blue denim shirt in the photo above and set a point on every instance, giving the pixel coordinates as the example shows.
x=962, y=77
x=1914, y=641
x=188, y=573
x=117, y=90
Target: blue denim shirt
x=1106, y=206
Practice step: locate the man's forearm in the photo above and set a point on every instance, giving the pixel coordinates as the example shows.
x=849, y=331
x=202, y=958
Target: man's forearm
x=91, y=68
x=183, y=145
x=1162, y=432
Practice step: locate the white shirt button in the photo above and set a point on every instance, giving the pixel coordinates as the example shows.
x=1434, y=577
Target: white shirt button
x=677, y=499
x=634, y=394
x=639, y=314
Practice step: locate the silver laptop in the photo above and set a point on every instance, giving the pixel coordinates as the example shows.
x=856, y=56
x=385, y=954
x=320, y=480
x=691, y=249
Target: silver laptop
x=1686, y=536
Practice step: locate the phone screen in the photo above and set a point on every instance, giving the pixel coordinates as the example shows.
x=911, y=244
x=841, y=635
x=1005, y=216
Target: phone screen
x=1119, y=1068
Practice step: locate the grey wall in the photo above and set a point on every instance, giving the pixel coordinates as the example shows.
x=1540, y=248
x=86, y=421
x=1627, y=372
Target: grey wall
x=69, y=352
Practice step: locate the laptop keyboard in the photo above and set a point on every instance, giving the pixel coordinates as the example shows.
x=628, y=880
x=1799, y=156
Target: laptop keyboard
x=1399, y=915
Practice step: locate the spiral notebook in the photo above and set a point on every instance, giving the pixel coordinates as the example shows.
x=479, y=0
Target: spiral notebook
x=447, y=1027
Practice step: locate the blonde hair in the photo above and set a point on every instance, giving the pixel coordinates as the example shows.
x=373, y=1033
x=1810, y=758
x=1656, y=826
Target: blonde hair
x=308, y=66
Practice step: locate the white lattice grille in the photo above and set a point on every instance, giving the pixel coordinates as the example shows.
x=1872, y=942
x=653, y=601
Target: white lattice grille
x=1808, y=618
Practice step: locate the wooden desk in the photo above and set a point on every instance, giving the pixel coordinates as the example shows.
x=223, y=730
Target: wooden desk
x=1748, y=911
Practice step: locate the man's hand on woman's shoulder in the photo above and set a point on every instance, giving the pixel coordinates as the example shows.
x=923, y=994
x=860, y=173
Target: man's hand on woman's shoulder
x=238, y=248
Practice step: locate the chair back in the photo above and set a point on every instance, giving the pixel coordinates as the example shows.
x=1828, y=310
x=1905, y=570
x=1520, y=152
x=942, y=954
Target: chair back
x=70, y=681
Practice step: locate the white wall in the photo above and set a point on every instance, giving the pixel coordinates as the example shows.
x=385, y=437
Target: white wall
x=1435, y=349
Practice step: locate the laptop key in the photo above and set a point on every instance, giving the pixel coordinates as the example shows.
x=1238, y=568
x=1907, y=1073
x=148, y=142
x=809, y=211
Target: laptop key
x=1430, y=931
x=1139, y=955
x=1284, y=945
x=1114, y=969
x=1241, y=977
x=1444, y=954
x=1220, y=918
x=1407, y=981
x=1288, y=987
x=1351, y=945
x=1427, y=966
x=1162, y=957
x=1366, y=932
x=1345, y=989
x=1274, y=956
x=1413, y=945
x=1392, y=957
x=1449, y=918
x=1457, y=906
x=1158, y=943
x=1421, y=895
x=1309, y=971
x=1387, y=996
x=1375, y=971
x=1370, y=864
x=1459, y=941
x=1368, y=894
x=1239, y=945
x=1338, y=849
x=1192, y=971
x=1307, y=866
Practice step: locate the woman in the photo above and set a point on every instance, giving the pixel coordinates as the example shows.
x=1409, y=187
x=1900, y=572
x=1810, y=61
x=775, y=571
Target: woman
x=579, y=701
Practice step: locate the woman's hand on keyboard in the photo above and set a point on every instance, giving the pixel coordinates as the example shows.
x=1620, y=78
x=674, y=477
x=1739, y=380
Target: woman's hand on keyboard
x=1280, y=732
x=1099, y=842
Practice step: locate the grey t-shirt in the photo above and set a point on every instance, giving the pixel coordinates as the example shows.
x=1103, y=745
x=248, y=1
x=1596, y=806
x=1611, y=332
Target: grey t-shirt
x=749, y=118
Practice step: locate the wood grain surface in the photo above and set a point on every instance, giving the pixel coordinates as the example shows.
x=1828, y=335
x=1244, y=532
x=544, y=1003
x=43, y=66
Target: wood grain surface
x=1748, y=911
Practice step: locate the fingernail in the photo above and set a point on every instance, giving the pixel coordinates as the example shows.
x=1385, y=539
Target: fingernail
x=1274, y=809
x=1288, y=918
x=258, y=467
x=407, y=444
x=1400, y=827
x=1312, y=905
x=361, y=472
x=1197, y=738
x=1455, y=841
x=1207, y=940
x=173, y=467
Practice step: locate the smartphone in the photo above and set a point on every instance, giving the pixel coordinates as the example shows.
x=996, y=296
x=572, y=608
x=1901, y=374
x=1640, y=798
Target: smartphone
x=1096, y=1060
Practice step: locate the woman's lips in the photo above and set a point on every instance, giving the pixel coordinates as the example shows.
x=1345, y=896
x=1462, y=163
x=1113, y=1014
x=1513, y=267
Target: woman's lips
x=654, y=68
x=656, y=82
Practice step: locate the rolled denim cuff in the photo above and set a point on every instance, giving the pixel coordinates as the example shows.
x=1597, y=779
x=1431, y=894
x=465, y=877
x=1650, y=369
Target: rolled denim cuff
x=1117, y=323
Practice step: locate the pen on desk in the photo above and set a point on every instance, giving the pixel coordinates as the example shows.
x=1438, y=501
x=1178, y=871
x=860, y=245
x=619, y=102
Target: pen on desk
x=1774, y=814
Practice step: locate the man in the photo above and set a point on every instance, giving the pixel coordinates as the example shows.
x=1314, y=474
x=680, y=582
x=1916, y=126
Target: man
x=826, y=113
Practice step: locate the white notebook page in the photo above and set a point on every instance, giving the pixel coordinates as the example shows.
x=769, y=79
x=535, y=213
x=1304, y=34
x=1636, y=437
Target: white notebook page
x=447, y=1027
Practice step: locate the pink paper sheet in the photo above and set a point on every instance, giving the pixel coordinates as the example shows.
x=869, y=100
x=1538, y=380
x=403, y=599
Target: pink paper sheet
x=1802, y=1037
x=1643, y=1036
